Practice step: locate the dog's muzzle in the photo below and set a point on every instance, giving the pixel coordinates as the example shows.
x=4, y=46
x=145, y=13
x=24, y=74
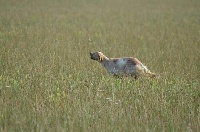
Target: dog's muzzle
x=91, y=56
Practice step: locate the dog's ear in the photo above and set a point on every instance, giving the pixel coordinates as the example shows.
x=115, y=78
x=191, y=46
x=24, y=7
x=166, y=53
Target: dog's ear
x=101, y=56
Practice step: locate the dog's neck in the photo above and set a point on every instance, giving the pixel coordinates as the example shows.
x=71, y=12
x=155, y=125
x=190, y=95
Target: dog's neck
x=104, y=60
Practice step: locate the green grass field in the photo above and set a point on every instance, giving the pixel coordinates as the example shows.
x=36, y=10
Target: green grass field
x=49, y=83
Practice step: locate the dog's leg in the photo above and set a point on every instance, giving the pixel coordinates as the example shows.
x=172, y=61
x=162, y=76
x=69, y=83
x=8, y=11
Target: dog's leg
x=136, y=77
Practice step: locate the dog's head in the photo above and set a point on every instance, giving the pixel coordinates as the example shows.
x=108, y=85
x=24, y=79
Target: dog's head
x=98, y=56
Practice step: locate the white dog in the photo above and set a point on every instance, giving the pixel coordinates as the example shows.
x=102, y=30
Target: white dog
x=126, y=66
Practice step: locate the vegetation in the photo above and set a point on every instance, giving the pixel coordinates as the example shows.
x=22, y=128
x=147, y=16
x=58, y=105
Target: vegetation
x=49, y=83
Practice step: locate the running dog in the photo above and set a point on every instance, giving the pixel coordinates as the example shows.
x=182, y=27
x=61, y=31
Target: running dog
x=122, y=67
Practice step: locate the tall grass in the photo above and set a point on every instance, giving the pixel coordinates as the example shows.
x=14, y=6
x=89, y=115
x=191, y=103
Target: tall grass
x=49, y=83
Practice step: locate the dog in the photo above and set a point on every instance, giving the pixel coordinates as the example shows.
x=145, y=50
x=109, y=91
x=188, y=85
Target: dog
x=122, y=67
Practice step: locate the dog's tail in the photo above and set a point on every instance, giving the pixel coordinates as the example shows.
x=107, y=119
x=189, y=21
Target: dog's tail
x=143, y=70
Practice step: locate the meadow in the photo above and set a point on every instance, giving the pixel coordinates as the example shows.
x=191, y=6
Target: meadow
x=49, y=83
